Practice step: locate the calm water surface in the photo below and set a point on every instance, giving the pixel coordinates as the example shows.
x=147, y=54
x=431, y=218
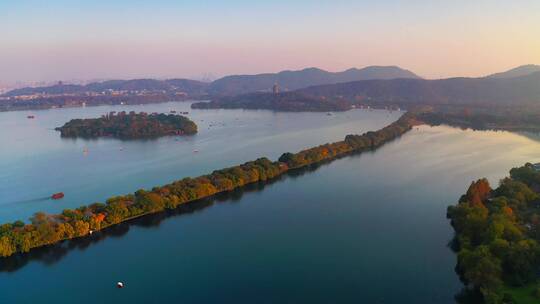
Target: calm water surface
x=36, y=162
x=367, y=228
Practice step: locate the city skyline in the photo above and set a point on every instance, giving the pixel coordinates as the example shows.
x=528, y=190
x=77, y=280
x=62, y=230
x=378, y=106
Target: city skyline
x=63, y=40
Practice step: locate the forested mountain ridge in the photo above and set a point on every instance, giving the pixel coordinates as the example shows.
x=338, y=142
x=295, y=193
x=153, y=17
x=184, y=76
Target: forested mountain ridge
x=292, y=80
x=524, y=90
x=490, y=93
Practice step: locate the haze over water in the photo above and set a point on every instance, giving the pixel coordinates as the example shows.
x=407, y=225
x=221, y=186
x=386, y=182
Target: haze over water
x=365, y=228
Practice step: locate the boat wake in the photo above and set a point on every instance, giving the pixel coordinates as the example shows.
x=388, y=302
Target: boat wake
x=28, y=201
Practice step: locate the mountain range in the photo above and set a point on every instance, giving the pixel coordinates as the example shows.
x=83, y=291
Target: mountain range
x=293, y=80
x=315, y=89
x=477, y=92
x=229, y=85
x=524, y=90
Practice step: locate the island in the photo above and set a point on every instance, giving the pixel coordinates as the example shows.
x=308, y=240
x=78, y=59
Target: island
x=45, y=229
x=129, y=126
x=497, y=235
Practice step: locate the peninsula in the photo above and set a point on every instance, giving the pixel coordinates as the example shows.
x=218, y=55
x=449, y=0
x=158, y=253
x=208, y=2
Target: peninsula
x=497, y=235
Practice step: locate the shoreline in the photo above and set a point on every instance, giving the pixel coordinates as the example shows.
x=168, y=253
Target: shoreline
x=44, y=108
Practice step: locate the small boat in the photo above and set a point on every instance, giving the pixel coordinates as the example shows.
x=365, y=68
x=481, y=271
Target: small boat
x=30, y=117
x=120, y=285
x=329, y=114
x=185, y=112
x=57, y=196
x=195, y=151
x=172, y=111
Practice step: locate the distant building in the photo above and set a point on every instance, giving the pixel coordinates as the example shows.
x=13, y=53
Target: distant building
x=536, y=166
x=275, y=88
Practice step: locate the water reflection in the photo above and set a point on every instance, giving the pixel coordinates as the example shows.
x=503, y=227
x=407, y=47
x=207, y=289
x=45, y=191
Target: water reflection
x=468, y=296
x=52, y=254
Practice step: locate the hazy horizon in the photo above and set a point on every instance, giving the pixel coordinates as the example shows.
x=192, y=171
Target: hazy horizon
x=65, y=40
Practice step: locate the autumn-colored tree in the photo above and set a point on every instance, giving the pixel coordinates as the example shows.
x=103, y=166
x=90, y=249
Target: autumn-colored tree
x=6, y=247
x=478, y=192
x=81, y=228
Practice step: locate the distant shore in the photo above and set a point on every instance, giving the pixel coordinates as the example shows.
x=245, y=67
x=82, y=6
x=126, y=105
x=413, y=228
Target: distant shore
x=11, y=108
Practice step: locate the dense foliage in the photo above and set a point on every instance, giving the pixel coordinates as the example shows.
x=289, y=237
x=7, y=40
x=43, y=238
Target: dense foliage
x=498, y=234
x=129, y=126
x=352, y=143
x=45, y=229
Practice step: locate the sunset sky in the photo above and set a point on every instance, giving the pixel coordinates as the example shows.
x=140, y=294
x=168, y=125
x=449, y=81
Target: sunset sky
x=86, y=39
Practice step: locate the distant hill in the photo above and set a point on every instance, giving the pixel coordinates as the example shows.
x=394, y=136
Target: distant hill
x=523, y=90
x=191, y=87
x=292, y=80
x=523, y=70
x=483, y=92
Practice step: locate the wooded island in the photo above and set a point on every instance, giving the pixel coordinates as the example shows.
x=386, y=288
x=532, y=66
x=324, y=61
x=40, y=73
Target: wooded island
x=129, y=126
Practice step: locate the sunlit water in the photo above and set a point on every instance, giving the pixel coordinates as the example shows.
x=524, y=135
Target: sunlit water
x=367, y=228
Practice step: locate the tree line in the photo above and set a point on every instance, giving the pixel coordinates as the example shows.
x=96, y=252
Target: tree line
x=497, y=235
x=45, y=229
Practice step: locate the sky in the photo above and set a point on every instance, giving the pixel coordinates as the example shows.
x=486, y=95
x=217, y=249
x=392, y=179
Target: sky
x=51, y=40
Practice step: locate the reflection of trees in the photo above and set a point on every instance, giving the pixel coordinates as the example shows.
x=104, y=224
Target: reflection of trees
x=52, y=254
x=468, y=296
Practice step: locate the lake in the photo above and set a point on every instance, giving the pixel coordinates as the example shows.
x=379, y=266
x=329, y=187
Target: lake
x=367, y=228
x=36, y=162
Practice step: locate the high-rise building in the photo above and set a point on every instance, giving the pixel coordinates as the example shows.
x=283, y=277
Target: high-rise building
x=275, y=88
